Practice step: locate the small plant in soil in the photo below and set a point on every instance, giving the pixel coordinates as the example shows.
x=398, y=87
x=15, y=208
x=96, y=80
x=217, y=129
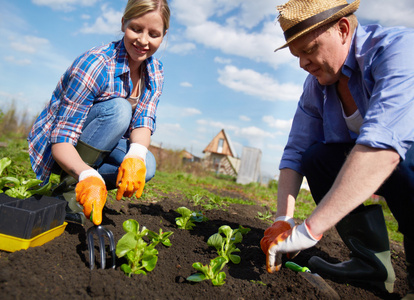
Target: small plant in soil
x=188, y=217
x=20, y=188
x=225, y=241
x=140, y=255
x=225, y=246
x=266, y=216
x=212, y=271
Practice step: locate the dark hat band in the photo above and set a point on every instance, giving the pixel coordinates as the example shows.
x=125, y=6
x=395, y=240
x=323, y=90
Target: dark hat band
x=312, y=21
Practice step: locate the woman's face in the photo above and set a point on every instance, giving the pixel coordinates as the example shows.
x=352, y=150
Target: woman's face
x=143, y=36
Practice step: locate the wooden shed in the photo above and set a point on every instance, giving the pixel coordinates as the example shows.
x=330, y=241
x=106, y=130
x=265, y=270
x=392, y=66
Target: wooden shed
x=220, y=155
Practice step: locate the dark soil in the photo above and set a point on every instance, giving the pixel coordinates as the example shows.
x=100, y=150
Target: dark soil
x=60, y=268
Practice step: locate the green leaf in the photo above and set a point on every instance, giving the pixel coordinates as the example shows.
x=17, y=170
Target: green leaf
x=125, y=244
x=237, y=238
x=126, y=268
x=219, y=279
x=4, y=163
x=243, y=230
x=235, y=259
x=217, y=264
x=197, y=277
x=226, y=230
x=216, y=241
x=198, y=266
x=149, y=262
x=30, y=183
x=184, y=211
x=12, y=180
x=131, y=226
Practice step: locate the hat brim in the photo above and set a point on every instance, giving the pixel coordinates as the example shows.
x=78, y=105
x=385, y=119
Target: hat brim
x=350, y=8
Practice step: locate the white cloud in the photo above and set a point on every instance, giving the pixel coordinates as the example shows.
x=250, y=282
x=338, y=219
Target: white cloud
x=244, y=118
x=221, y=60
x=185, y=84
x=20, y=62
x=65, y=5
x=190, y=111
x=182, y=48
x=108, y=23
x=259, y=85
x=29, y=44
x=277, y=123
x=387, y=13
x=231, y=31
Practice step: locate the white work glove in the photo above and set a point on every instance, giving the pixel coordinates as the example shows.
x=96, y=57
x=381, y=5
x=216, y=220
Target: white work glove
x=291, y=242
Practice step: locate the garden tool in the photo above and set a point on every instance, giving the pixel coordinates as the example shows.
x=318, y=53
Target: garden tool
x=364, y=232
x=315, y=280
x=101, y=232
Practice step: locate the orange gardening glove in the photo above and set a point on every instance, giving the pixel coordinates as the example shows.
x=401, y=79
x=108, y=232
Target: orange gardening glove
x=91, y=194
x=131, y=178
x=282, y=224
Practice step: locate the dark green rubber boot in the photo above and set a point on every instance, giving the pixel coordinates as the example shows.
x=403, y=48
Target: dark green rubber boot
x=409, y=256
x=66, y=187
x=365, y=234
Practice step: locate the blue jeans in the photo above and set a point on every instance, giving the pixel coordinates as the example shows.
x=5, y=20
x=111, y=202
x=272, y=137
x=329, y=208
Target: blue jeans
x=322, y=162
x=104, y=128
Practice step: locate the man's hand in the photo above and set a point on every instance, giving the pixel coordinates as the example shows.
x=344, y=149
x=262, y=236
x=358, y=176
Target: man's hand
x=281, y=224
x=290, y=241
x=131, y=178
x=91, y=194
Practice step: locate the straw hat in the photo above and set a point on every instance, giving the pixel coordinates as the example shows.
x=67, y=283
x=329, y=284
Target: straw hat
x=297, y=17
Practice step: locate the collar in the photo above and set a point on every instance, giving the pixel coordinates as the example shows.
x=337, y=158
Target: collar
x=351, y=64
x=121, y=66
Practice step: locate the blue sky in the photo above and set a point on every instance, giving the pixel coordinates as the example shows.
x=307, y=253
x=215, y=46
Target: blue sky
x=220, y=68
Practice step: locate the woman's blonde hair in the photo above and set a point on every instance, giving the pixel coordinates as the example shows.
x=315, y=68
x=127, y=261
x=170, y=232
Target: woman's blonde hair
x=137, y=8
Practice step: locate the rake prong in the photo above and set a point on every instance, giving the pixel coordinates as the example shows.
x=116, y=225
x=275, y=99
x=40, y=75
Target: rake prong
x=89, y=238
x=101, y=246
x=100, y=232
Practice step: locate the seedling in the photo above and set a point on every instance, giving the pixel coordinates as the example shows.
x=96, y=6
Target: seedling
x=226, y=245
x=141, y=256
x=264, y=216
x=162, y=237
x=210, y=271
x=188, y=217
x=20, y=188
x=197, y=199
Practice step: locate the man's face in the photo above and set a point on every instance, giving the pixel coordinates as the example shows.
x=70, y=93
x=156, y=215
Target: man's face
x=321, y=55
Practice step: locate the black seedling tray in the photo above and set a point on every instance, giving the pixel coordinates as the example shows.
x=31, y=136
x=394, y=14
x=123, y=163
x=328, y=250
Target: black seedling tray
x=27, y=218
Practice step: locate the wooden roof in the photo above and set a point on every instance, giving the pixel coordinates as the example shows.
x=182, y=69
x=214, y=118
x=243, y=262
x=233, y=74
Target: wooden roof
x=221, y=144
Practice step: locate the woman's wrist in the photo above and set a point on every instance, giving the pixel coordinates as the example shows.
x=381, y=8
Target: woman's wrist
x=137, y=150
x=88, y=173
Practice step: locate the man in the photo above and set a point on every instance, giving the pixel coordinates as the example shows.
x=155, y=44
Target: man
x=351, y=137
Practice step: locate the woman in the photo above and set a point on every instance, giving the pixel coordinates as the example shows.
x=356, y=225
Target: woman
x=96, y=129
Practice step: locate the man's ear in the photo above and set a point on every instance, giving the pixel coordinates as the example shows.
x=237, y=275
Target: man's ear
x=344, y=28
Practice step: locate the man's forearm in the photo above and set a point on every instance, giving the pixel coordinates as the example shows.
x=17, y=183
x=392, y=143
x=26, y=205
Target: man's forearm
x=362, y=174
x=288, y=189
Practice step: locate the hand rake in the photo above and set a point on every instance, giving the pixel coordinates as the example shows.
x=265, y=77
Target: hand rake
x=101, y=232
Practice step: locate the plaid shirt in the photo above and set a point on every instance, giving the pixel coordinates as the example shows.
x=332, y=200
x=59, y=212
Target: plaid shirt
x=100, y=74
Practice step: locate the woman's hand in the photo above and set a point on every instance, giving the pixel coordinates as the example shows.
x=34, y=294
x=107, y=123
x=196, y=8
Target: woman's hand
x=131, y=178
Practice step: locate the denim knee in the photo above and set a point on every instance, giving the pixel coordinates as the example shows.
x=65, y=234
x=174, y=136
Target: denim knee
x=106, y=123
x=151, y=166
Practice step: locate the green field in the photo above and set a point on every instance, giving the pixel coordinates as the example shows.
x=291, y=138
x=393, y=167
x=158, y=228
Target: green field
x=195, y=184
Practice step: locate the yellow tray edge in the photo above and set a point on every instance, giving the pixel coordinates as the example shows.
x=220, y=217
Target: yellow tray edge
x=11, y=244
